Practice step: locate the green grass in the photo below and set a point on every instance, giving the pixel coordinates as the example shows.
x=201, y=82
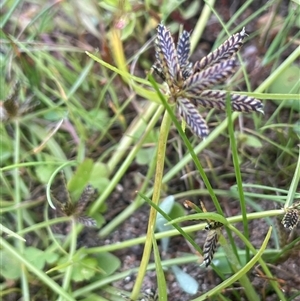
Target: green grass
x=94, y=120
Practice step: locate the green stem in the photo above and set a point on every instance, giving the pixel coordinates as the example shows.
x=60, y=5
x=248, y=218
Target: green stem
x=201, y=24
x=238, y=176
x=188, y=229
x=161, y=152
x=261, y=262
x=9, y=13
x=17, y=197
x=291, y=58
x=294, y=184
x=68, y=274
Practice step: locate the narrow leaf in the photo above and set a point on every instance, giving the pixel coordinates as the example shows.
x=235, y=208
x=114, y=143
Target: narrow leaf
x=161, y=281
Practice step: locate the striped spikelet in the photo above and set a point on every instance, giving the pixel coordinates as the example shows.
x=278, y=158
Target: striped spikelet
x=227, y=50
x=190, y=83
x=211, y=241
x=292, y=216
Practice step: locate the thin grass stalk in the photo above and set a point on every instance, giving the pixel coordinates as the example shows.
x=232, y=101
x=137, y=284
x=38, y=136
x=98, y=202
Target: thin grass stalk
x=261, y=262
x=201, y=23
x=188, y=229
x=160, y=276
x=295, y=183
x=69, y=270
x=289, y=60
x=19, y=216
x=238, y=176
x=195, y=159
x=161, y=153
x=189, y=147
x=8, y=15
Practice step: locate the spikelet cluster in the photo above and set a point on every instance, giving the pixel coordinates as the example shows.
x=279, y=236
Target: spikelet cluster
x=292, y=216
x=76, y=210
x=211, y=241
x=190, y=84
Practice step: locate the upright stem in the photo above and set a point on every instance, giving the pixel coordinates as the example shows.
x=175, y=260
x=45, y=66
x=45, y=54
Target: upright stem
x=162, y=142
x=17, y=199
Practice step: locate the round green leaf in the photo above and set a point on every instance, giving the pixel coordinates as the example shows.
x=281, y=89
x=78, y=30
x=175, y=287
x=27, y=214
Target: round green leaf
x=288, y=83
x=35, y=256
x=9, y=266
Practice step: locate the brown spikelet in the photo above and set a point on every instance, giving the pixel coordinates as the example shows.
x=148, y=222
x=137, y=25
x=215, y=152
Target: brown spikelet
x=209, y=77
x=291, y=218
x=243, y=103
x=167, y=54
x=217, y=99
x=69, y=208
x=224, y=52
x=210, y=246
x=192, y=117
x=183, y=48
x=86, y=221
x=85, y=198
